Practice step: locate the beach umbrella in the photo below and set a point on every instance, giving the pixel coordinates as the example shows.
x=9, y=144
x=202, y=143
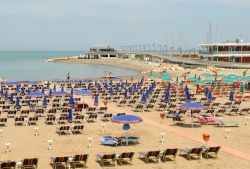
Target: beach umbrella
x=71, y=91
x=209, y=96
x=22, y=91
x=122, y=85
x=126, y=120
x=117, y=87
x=17, y=105
x=130, y=90
x=1, y=93
x=84, y=93
x=99, y=87
x=177, y=79
x=36, y=87
x=96, y=100
x=54, y=88
x=111, y=83
x=111, y=91
x=192, y=106
x=206, y=91
x=231, y=96
x=134, y=86
x=48, y=84
x=132, y=78
x=186, y=88
x=125, y=93
x=212, y=85
x=70, y=115
x=62, y=89
x=169, y=88
x=142, y=78
x=50, y=92
x=36, y=94
x=166, y=97
x=11, y=98
x=6, y=94
x=143, y=98
x=71, y=101
x=29, y=91
x=199, y=78
x=106, y=85
x=18, y=89
x=218, y=85
x=42, y=90
x=44, y=102
x=181, y=84
x=242, y=89
x=59, y=93
x=195, y=76
x=233, y=85
x=188, y=97
x=126, y=83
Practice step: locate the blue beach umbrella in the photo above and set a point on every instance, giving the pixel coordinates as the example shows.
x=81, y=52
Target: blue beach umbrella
x=6, y=94
x=126, y=119
x=188, y=97
x=186, y=88
x=50, y=92
x=111, y=83
x=36, y=94
x=99, y=87
x=209, y=96
x=111, y=91
x=71, y=91
x=106, y=85
x=48, y=84
x=70, y=115
x=62, y=89
x=71, y=101
x=122, y=85
x=22, y=91
x=231, y=96
x=126, y=93
x=36, y=88
x=1, y=93
x=60, y=93
x=11, y=98
x=96, y=100
x=143, y=98
x=29, y=91
x=166, y=97
x=18, y=89
x=130, y=90
x=126, y=83
x=17, y=105
x=84, y=92
x=89, y=86
x=206, y=91
x=54, y=88
x=42, y=91
x=117, y=87
x=193, y=106
x=44, y=102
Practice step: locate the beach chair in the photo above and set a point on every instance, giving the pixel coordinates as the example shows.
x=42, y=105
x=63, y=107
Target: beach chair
x=106, y=158
x=32, y=120
x=3, y=121
x=25, y=113
x=149, y=107
x=77, y=129
x=120, y=114
x=169, y=152
x=233, y=112
x=162, y=107
x=59, y=161
x=150, y=155
x=138, y=108
x=106, y=117
x=124, y=157
x=102, y=110
x=30, y=163
x=178, y=120
x=5, y=108
x=50, y=119
x=63, y=130
x=212, y=150
x=79, y=160
x=79, y=119
x=91, y=118
x=121, y=103
x=62, y=120
x=52, y=111
x=91, y=110
x=19, y=121
x=8, y=165
x=244, y=111
x=131, y=103
x=224, y=123
x=190, y=153
x=11, y=113
x=39, y=112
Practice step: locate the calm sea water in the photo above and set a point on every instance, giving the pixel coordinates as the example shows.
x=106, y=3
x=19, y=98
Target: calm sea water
x=30, y=65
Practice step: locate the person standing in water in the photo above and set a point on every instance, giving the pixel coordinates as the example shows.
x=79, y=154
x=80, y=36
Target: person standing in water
x=68, y=76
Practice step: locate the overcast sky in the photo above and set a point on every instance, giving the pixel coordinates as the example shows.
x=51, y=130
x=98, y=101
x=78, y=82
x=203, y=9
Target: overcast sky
x=80, y=24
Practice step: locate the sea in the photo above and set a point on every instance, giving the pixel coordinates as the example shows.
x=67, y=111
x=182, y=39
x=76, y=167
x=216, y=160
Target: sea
x=31, y=65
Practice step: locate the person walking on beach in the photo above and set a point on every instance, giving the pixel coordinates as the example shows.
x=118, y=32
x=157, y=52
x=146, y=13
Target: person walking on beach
x=68, y=76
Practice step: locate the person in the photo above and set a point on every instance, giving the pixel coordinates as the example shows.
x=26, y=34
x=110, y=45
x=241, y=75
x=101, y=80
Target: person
x=68, y=76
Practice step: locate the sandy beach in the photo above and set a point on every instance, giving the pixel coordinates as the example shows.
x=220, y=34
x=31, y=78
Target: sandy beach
x=235, y=150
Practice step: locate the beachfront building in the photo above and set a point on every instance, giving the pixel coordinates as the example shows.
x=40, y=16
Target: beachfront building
x=98, y=52
x=230, y=51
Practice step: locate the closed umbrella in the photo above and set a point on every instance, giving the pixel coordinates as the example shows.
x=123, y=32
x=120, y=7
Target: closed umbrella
x=29, y=91
x=70, y=115
x=166, y=97
x=22, y=91
x=231, y=96
x=130, y=90
x=2, y=93
x=11, y=99
x=188, y=97
x=54, y=88
x=96, y=100
x=44, y=102
x=209, y=96
x=6, y=94
x=126, y=94
x=42, y=90
x=206, y=91
x=62, y=89
x=111, y=91
x=71, y=91
x=71, y=101
x=17, y=105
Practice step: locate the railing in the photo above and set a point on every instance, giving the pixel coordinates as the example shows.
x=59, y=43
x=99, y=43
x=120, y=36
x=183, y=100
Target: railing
x=226, y=52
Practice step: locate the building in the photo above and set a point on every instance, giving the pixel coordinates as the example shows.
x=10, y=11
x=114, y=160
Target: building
x=98, y=52
x=236, y=51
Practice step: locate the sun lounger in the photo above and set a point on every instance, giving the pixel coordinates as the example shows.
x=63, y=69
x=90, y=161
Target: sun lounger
x=106, y=117
x=79, y=119
x=110, y=141
x=11, y=113
x=52, y=111
x=149, y=107
x=25, y=113
x=244, y=111
x=102, y=110
x=224, y=123
x=77, y=129
x=19, y=121
x=30, y=163
x=178, y=120
x=62, y=120
x=233, y=112
x=121, y=103
x=190, y=153
x=212, y=150
x=50, y=119
x=106, y=158
x=129, y=139
x=39, y=112
x=32, y=120
x=149, y=155
x=63, y=130
x=138, y=108
x=91, y=118
x=124, y=157
x=8, y=165
x=3, y=121
x=59, y=161
x=79, y=160
x=169, y=152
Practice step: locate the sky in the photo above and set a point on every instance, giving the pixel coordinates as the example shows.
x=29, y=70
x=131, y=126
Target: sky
x=80, y=24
